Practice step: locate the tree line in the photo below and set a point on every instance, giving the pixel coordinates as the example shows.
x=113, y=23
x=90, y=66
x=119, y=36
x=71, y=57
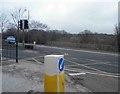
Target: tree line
x=61, y=38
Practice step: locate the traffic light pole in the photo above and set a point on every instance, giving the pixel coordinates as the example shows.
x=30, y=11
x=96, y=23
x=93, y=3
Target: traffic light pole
x=23, y=34
x=17, y=44
x=23, y=38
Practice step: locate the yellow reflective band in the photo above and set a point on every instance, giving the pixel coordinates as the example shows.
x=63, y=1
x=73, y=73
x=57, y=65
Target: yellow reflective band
x=51, y=83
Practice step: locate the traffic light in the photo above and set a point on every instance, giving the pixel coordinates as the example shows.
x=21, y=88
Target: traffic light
x=20, y=25
x=23, y=24
x=26, y=24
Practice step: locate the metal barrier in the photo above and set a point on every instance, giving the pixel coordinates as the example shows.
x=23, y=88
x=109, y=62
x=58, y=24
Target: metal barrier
x=8, y=50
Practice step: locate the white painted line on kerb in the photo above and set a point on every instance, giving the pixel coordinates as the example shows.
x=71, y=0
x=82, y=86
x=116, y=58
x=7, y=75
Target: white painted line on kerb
x=37, y=61
x=30, y=58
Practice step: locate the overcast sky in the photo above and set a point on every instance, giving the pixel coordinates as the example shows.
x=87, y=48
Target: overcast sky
x=74, y=16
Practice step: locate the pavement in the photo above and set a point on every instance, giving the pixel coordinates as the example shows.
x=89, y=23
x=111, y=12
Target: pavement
x=28, y=75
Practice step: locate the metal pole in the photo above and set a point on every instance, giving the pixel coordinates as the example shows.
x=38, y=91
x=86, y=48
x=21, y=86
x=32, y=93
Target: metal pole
x=17, y=44
x=23, y=39
x=16, y=50
x=23, y=33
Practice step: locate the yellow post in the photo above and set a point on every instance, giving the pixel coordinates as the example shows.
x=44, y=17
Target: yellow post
x=54, y=73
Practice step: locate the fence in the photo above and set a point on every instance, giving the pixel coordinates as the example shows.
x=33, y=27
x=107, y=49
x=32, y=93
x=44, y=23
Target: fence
x=8, y=50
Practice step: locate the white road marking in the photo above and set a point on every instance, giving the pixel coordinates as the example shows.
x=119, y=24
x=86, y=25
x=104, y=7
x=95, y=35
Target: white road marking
x=71, y=65
x=85, y=66
x=75, y=74
x=65, y=53
x=87, y=59
x=78, y=50
x=75, y=58
x=105, y=63
x=71, y=70
x=103, y=74
x=98, y=62
x=111, y=64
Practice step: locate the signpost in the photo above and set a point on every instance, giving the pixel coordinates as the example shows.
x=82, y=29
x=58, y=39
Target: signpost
x=54, y=73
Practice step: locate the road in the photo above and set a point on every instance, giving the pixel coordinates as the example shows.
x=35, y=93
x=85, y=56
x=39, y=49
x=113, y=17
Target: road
x=97, y=68
x=102, y=61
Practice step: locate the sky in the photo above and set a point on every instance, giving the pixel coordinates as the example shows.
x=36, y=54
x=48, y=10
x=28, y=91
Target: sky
x=73, y=16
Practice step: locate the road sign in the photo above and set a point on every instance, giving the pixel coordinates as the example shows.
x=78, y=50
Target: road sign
x=61, y=64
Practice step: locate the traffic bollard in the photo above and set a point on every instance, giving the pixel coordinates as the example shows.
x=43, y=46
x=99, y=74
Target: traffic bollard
x=54, y=73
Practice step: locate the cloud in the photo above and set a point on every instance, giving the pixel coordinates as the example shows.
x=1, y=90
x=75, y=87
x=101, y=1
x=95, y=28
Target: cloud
x=72, y=15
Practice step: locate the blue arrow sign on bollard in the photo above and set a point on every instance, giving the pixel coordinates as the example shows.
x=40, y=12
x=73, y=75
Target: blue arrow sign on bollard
x=61, y=64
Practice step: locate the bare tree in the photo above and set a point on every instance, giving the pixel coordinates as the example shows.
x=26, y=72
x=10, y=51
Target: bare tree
x=117, y=33
x=117, y=30
x=86, y=36
x=3, y=21
x=16, y=16
x=38, y=25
